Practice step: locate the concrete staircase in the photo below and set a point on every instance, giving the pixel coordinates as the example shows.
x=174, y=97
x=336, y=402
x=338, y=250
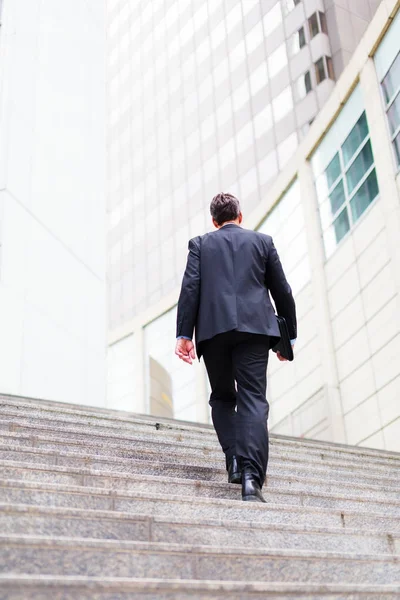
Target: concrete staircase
x=98, y=504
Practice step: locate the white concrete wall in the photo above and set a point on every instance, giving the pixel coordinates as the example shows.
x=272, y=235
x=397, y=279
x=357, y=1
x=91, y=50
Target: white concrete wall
x=52, y=202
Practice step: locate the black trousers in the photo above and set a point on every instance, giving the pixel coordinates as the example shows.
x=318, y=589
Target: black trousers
x=240, y=357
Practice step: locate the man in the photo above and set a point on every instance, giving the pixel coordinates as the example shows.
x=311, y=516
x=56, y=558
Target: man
x=225, y=299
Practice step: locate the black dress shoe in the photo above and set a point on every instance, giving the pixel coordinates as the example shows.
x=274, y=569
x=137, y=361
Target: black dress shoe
x=251, y=490
x=234, y=472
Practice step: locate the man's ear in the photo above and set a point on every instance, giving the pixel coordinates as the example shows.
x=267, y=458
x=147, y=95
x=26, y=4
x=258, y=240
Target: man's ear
x=215, y=224
x=240, y=218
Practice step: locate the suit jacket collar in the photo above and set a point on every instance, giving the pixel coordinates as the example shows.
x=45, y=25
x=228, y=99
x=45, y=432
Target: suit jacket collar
x=229, y=225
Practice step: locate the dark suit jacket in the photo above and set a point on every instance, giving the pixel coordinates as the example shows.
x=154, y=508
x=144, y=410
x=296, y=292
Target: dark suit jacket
x=226, y=285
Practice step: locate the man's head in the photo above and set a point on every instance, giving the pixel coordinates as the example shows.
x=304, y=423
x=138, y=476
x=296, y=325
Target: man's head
x=225, y=208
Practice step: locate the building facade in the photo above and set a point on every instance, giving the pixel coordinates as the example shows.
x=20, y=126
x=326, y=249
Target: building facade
x=330, y=200
x=52, y=200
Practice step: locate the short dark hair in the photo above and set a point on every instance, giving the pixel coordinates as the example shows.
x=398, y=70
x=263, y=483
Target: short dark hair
x=224, y=207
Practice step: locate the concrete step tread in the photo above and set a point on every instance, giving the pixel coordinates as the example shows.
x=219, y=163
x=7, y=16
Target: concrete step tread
x=293, y=485
x=174, y=499
x=183, y=589
x=33, y=457
x=96, y=411
x=175, y=426
x=146, y=444
x=42, y=541
x=219, y=509
x=28, y=510
x=188, y=462
x=63, y=556
x=282, y=468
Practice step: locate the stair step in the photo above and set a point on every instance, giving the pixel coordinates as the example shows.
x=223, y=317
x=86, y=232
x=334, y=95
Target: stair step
x=120, y=558
x=131, y=467
x=88, y=492
x=118, y=422
x=279, y=489
x=106, y=445
x=282, y=468
x=42, y=587
x=23, y=519
x=46, y=494
x=176, y=461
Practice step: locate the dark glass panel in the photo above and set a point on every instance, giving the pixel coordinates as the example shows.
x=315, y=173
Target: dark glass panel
x=359, y=167
x=394, y=115
x=364, y=196
x=391, y=82
x=333, y=170
x=341, y=225
x=354, y=139
x=337, y=197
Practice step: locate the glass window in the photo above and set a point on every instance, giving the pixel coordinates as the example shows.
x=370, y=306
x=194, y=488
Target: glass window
x=240, y=96
x=324, y=69
x=320, y=70
x=187, y=32
x=348, y=185
x=393, y=114
x=190, y=104
x=288, y=5
x=341, y=225
x=391, y=81
x=245, y=137
x=205, y=88
x=354, y=139
x=317, y=24
x=188, y=67
x=391, y=93
x=263, y=121
x=337, y=197
x=268, y=167
x=192, y=142
x=234, y=16
x=282, y=104
x=303, y=85
x=208, y=127
x=248, y=182
x=329, y=67
x=359, y=167
x=277, y=61
x=396, y=143
x=333, y=170
x=227, y=153
x=297, y=41
x=237, y=55
x=210, y=168
x=224, y=112
x=221, y=72
x=147, y=13
x=218, y=35
x=203, y=50
x=313, y=25
x=200, y=16
x=254, y=38
x=364, y=196
x=259, y=78
x=322, y=22
x=272, y=19
x=286, y=149
x=249, y=5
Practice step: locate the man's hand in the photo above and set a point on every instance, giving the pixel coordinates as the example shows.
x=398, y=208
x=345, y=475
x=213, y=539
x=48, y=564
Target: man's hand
x=184, y=349
x=280, y=357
